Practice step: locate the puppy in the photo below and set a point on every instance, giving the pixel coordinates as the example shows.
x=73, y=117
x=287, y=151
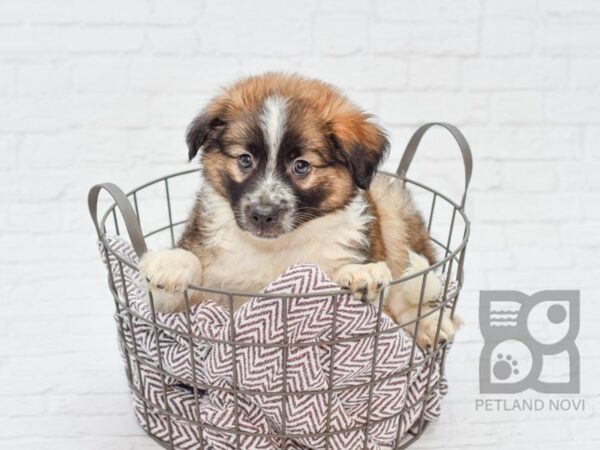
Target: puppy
x=289, y=171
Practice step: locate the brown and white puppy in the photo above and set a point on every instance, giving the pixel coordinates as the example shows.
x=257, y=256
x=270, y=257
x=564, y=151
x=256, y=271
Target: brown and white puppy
x=289, y=168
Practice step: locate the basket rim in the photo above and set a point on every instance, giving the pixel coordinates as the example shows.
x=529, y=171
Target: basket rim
x=451, y=256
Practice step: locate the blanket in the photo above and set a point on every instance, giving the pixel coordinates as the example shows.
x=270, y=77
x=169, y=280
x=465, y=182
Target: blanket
x=286, y=389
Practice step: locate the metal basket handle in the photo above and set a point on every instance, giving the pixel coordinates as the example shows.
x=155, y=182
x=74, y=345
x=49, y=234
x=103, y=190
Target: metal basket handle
x=412, y=145
x=129, y=216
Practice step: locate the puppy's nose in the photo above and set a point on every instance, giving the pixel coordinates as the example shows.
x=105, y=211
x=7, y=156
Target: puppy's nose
x=264, y=216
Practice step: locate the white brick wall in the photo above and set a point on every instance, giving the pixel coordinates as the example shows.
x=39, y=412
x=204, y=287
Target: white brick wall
x=99, y=91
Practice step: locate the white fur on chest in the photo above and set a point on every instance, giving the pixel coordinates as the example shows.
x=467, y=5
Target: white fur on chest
x=235, y=260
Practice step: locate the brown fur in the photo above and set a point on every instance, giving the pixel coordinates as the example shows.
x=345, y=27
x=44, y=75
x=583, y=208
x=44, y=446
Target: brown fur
x=343, y=147
x=319, y=112
x=402, y=227
x=377, y=250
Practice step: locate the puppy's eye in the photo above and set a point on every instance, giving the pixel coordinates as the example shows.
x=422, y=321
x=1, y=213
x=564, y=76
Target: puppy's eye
x=301, y=167
x=245, y=161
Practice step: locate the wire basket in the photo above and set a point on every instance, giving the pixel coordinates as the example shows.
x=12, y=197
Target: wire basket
x=139, y=210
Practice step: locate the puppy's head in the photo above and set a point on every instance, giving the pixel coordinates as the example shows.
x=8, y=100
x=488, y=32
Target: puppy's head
x=284, y=150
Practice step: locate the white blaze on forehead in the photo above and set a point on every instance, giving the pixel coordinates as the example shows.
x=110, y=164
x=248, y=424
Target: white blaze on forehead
x=273, y=119
x=271, y=188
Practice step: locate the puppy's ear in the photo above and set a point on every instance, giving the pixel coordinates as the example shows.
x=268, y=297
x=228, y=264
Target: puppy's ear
x=205, y=126
x=363, y=144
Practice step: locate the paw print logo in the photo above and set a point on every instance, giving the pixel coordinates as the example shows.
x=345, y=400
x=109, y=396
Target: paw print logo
x=521, y=332
x=505, y=367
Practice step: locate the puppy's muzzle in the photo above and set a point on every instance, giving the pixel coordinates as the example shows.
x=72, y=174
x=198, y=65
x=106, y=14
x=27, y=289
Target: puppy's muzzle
x=264, y=218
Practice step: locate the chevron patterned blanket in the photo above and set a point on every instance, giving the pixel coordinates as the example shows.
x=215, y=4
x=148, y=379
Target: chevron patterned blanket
x=320, y=389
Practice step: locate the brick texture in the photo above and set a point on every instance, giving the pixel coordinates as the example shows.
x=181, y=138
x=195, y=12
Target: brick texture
x=103, y=91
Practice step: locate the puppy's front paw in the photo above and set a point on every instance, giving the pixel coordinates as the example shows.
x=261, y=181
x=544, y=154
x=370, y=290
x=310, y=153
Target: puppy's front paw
x=364, y=280
x=168, y=273
x=428, y=329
